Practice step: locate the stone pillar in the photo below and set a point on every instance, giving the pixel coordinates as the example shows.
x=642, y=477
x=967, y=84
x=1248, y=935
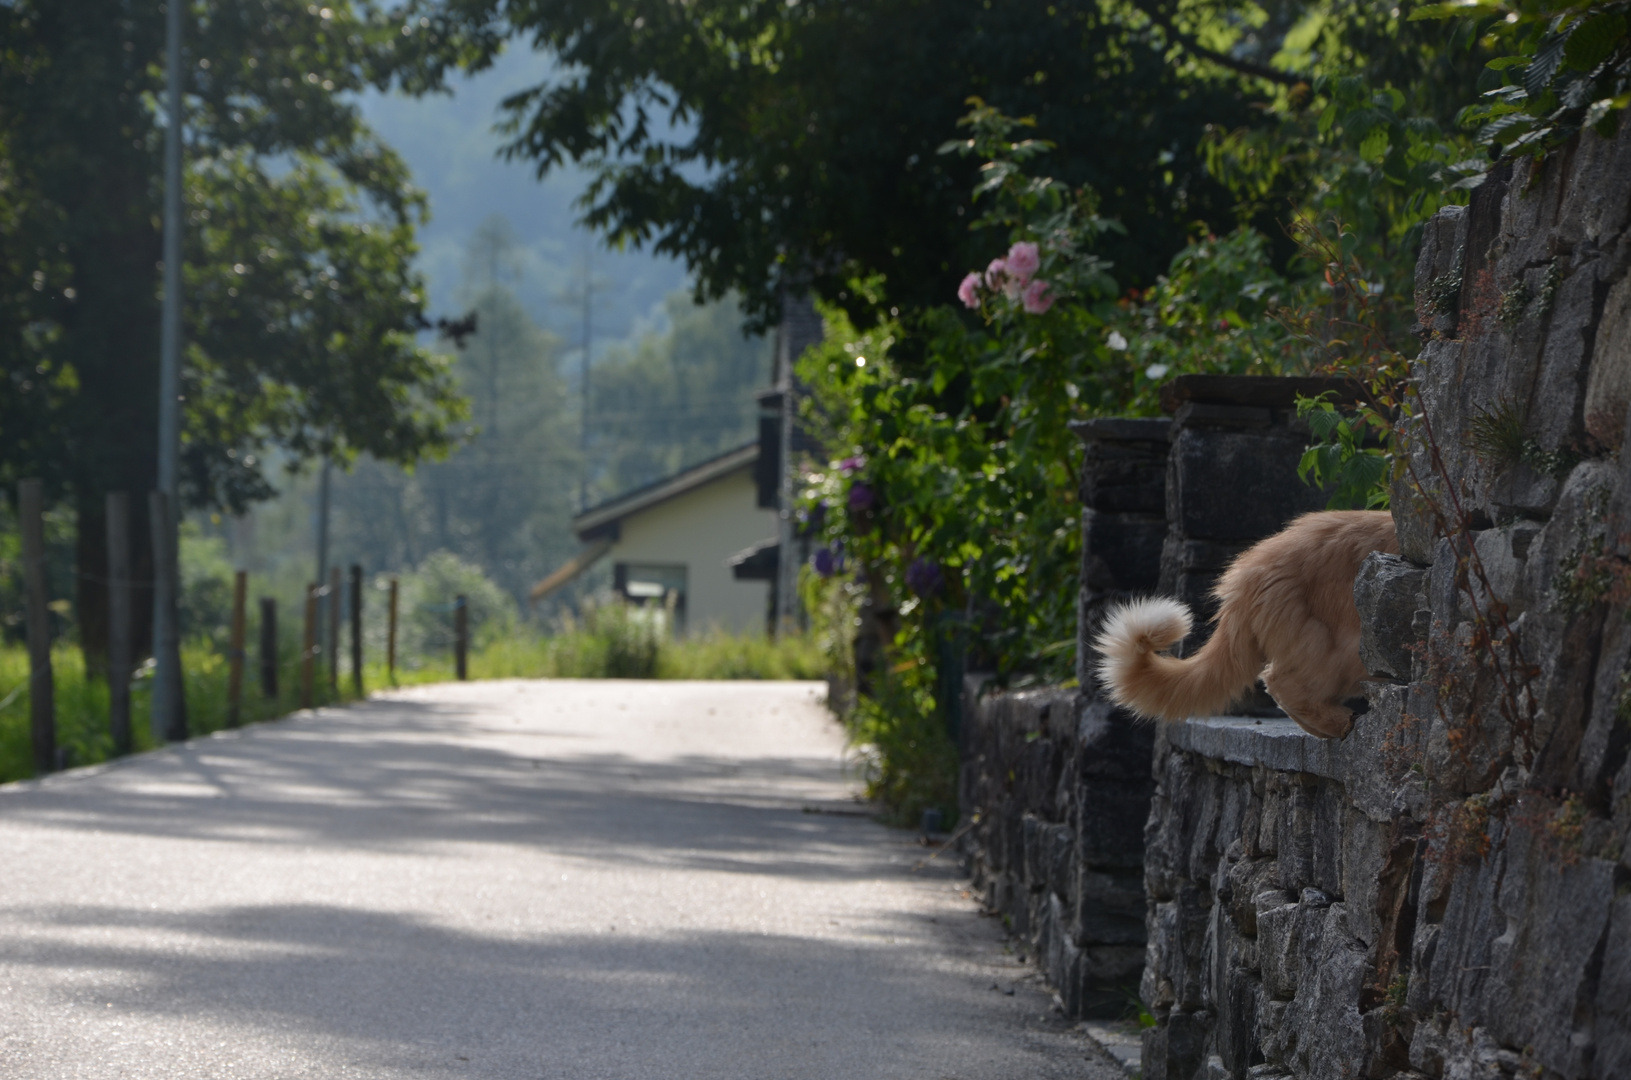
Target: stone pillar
x=1124, y=507
x=1124, y=475
x=1231, y=478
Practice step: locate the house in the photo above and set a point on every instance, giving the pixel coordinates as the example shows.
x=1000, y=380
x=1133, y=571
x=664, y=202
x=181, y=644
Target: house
x=671, y=542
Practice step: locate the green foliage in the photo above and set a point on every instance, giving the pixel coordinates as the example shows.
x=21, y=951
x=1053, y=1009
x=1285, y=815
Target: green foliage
x=206, y=585
x=502, y=498
x=909, y=762
x=1342, y=458
x=773, y=144
x=1498, y=437
x=301, y=302
x=82, y=701
x=426, y=599
x=1563, y=66
x=1212, y=313
x=677, y=396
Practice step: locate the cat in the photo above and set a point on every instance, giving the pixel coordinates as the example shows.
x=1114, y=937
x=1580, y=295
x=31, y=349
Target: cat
x=1287, y=616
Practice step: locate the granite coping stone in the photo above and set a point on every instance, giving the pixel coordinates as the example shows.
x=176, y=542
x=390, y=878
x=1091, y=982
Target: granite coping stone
x=1274, y=742
x=1122, y=429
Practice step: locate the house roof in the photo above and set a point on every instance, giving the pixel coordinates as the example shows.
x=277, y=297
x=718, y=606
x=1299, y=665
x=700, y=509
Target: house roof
x=602, y=520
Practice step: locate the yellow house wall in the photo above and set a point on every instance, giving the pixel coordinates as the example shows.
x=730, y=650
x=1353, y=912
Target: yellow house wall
x=699, y=530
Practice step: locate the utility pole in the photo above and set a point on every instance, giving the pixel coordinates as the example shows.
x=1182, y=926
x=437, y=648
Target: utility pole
x=584, y=295
x=588, y=341
x=169, y=705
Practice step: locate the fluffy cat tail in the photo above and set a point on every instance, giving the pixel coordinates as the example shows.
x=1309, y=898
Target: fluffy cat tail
x=1138, y=677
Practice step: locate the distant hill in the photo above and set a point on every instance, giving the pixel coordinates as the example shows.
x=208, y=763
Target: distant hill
x=450, y=144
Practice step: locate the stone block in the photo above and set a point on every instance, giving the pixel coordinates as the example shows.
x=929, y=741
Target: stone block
x=1438, y=270
x=1034, y=844
x=1388, y=592
x=1060, y=850
x=1248, y=880
x=1110, y=909
x=1233, y=485
x=1287, y=934
x=1297, y=840
x=1608, y=384
x=1121, y=553
x=1612, y=1007
x=1175, y=1049
x=1234, y=1034
x=1538, y=961
x=1328, y=814
x=1331, y=1039
x=1112, y=815
x=1380, y=754
x=1125, y=475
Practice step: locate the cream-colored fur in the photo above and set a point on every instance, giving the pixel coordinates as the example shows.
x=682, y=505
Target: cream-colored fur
x=1287, y=616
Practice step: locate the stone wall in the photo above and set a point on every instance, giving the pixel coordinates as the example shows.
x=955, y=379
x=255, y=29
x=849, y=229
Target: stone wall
x=1446, y=892
x=1058, y=782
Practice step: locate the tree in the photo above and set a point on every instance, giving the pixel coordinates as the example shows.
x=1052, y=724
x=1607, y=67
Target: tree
x=676, y=397
x=772, y=143
x=502, y=500
x=302, y=305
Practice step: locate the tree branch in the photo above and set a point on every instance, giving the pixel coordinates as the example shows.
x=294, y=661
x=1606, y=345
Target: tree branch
x=1244, y=67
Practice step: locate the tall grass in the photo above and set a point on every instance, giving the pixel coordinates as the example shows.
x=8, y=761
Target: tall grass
x=609, y=645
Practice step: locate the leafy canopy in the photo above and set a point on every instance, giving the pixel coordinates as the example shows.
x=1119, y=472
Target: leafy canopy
x=770, y=143
x=302, y=305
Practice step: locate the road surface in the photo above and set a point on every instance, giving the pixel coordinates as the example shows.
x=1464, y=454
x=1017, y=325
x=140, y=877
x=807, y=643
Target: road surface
x=621, y=880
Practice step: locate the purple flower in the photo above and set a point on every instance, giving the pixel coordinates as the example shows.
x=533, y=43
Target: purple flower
x=925, y=577
x=969, y=291
x=851, y=465
x=827, y=561
x=861, y=497
x=996, y=274
x=1023, y=260
x=1038, y=297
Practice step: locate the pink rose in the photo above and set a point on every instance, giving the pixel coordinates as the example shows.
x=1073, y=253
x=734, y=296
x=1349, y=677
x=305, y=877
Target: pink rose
x=1024, y=260
x=996, y=274
x=968, y=291
x=1038, y=297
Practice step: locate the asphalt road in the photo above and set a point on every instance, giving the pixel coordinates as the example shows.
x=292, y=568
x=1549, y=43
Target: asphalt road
x=514, y=879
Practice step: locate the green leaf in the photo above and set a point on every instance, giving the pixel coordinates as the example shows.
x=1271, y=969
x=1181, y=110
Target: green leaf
x=1323, y=423
x=1452, y=11
x=1538, y=76
x=1375, y=145
x=1594, y=39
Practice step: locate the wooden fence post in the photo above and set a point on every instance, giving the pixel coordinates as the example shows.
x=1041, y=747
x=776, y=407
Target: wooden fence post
x=235, y=656
x=356, y=629
x=268, y=648
x=308, y=648
x=461, y=637
x=41, y=688
x=119, y=627
x=333, y=642
x=169, y=688
x=390, y=637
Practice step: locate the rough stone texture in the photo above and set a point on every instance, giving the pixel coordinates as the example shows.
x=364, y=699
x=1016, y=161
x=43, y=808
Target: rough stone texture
x=1446, y=892
x=1124, y=466
x=1057, y=782
x=1231, y=480
x=1057, y=785
x=1388, y=593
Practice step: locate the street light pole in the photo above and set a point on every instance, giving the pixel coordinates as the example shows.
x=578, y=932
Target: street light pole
x=169, y=705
